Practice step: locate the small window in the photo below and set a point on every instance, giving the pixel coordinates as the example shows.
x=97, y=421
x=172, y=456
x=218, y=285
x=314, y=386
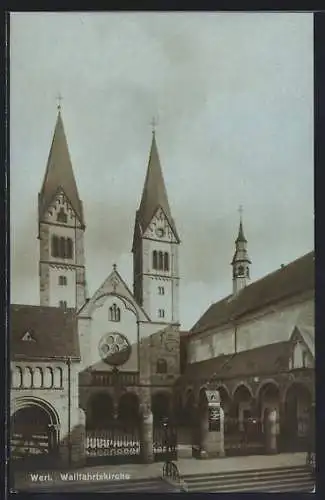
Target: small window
x=161, y=366
x=63, y=304
x=63, y=280
x=161, y=313
x=161, y=290
x=115, y=313
x=62, y=216
x=241, y=270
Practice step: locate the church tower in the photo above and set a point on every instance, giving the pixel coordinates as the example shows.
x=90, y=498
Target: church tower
x=240, y=262
x=61, y=229
x=155, y=248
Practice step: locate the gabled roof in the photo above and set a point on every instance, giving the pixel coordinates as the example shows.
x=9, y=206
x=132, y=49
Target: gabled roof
x=308, y=336
x=154, y=194
x=305, y=326
x=267, y=359
x=59, y=174
x=114, y=285
x=293, y=279
x=53, y=332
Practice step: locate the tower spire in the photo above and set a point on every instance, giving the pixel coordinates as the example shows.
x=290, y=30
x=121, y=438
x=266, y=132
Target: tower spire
x=59, y=172
x=240, y=262
x=154, y=194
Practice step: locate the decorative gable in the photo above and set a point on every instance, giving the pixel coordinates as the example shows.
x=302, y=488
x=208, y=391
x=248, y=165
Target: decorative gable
x=160, y=228
x=113, y=285
x=60, y=210
x=301, y=351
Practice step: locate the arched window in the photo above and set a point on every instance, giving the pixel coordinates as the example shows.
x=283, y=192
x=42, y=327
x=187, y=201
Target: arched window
x=160, y=261
x=17, y=380
x=48, y=377
x=161, y=366
x=62, y=280
x=241, y=270
x=115, y=313
x=38, y=377
x=55, y=246
x=69, y=248
x=154, y=260
x=28, y=377
x=57, y=377
x=62, y=248
x=62, y=216
x=166, y=261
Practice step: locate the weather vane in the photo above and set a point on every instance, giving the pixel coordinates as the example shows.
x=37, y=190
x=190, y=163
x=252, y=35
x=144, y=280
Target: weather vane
x=59, y=99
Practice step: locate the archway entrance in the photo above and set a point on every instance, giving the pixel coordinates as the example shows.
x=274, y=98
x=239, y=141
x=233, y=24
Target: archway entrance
x=34, y=436
x=243, y=433
x=268, y=400
x=164, y=429
x=100, y=411
x=113, y=439
x=298, y=418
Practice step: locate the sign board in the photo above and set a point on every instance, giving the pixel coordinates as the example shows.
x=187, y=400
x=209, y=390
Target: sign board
x=212, y=397
x=214, y=419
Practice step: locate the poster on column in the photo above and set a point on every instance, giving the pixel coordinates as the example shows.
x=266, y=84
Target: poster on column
x=214, y=419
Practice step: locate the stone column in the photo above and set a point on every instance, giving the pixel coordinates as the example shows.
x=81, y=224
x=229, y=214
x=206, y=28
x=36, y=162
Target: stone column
x=271, y=432
x=212, y=435
x=146, y=443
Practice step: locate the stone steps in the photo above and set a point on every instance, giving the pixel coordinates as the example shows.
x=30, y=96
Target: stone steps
x=150, y=485
x=272, y=480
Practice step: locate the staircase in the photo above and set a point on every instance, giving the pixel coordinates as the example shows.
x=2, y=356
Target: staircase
x=274, y=480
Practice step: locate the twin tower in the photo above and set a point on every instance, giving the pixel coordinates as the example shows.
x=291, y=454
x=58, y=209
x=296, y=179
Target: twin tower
x=61, y=232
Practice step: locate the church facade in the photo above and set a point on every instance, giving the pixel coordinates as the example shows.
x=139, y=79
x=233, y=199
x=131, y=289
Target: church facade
x=95, y=377
x=127, y=341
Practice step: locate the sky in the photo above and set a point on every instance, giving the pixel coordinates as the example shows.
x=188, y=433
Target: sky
x=233, y=96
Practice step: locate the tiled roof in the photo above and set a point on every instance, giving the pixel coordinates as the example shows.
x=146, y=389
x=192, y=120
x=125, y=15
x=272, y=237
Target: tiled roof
x=293, y=279
x=49, y=332
x=59, y=174
x=263, y=360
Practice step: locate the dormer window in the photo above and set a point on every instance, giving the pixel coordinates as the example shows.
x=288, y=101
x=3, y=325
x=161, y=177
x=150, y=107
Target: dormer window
x=62, y=216
x=27, y=337
x=115, y=313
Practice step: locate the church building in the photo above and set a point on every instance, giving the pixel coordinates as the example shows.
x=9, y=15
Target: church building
x=256, y=347
x=121, y=346
x=110, y=377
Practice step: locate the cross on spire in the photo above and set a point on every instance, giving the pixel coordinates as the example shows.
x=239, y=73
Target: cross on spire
x=240, y=210
x=59, y=98
x=153, y=124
